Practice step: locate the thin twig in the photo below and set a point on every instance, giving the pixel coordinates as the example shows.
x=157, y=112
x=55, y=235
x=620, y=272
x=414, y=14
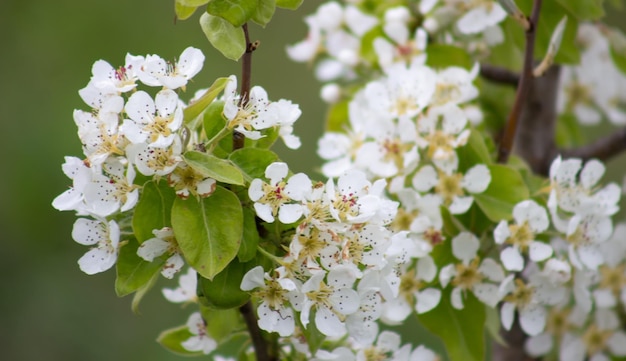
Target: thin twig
x=499, y=75
x=246, y=76
x=259, y=343
x=506, y=144
x=602, y=149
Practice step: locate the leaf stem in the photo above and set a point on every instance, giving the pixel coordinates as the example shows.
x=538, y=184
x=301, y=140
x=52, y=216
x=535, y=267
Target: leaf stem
x=212, y=143
x=506, y=144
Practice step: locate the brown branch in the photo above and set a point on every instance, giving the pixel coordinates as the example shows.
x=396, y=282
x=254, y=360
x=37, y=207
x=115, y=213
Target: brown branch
x=514, y=348
x=506, y=144
x=499, y=75
x=602, y=149
x=534, y=141
x=246, y=78
x=260, y=345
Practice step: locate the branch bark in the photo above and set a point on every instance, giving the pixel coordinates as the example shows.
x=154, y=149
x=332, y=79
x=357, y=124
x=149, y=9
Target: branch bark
x=260, y=345
x=499, y=75
x=506, y=144
x=246, y=79
x=602, y=149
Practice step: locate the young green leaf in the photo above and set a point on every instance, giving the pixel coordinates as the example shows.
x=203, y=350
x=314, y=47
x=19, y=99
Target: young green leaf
x=209, y=231
x=192, y=2
x=289, y=4
x=196, y=108
x=226, y=38
x=208, y=165
x=183, y=12
x=253, y=162
x=153, y=209
x=462, y=331
x=442, y=55
x=223, y=291
x=247, y=250
x=507, y=188
x=584, y=9
x=236, y=12
x=264, y=12
x=173, y=338
x=133, y=272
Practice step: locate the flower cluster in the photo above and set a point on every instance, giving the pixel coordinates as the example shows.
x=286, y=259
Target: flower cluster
x=120, y=137
x=342, y=261
x=587, y=94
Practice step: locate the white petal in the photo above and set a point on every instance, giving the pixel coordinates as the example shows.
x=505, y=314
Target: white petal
x=502, y=232
x=328, y=323
x=190, y=62
x=487, y=293
x=512, y=259
x=427, y=300
x=345, y=301
x=477, y=179
x=425, y=179
x=97, y=260
x=460, y=205
x=465, y=246
x=456, y=298
x=152, y=248
x=539, y=251
x=173, y=265
x=426, y=269
x=88, y=232
x=507, y=315
x=290, y=213
x=591, y=173
x=533, y=320
x=539, y=345
x=264, y=211
x=140, y=107
x=617, y=343
x=491, y=269
x=276, y=171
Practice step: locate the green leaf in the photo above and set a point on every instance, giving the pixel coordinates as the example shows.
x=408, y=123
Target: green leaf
x=236, y=12
x=208, y=165
x=492, y=324
x=209, y=231
x=289, y=4
x=368, y=53
x=153, y=209
x=443, y=55
x=183, y=12
x=247, y=250
x=141, y=292
x=507, y=188
x=337, y=117
x=462, y=331
x=264, y=12
x=214, y=123
x=584, y=9
x=474, y=152
x=253, y=162
x=221, y=323
x=193, y=110
x=173, y=338
x=195, y=3
x=223, y=292
x=226, y=38
x=133, y=272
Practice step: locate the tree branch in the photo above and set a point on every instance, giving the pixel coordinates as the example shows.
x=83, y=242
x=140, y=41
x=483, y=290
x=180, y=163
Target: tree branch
x=506, y=144
x=534, y=141
x=602, y=149
x=259, y=343
x=246, y=76
x=498, y=74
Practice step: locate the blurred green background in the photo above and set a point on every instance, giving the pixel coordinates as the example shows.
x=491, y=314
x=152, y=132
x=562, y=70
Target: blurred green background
x=49, y=309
